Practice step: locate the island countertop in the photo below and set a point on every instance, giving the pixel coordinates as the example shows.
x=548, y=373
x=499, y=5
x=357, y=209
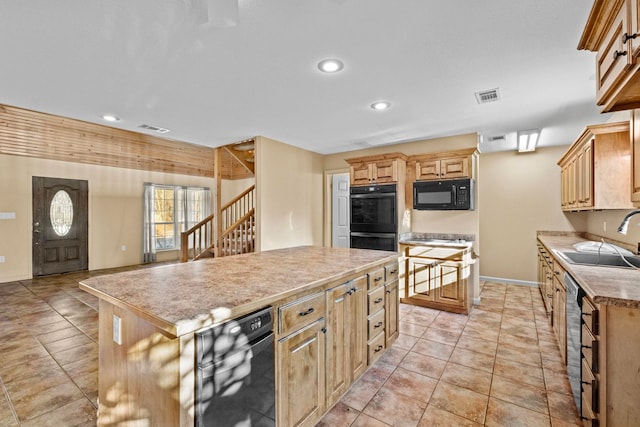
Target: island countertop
x=182, y=298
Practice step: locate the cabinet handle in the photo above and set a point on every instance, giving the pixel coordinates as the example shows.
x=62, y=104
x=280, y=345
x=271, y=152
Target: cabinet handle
x=377, y=325
x=378, y=348
x=626, y=37
x=618, y=54
x=388, y=292
x=585, y=346
x=379, y=300
x=549, y=295
x=377, y=279
x=393, y=271
x=324, y=330
x=350, y=291
x=304, y=313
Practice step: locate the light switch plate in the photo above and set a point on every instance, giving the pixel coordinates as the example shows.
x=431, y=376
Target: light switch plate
x=7, y=215
x=117, y=330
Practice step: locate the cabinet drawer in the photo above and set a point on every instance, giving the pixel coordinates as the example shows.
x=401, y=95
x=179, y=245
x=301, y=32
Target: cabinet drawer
x=590, y=348
x=376, y=300
x=588, y=416
x=589, y=387
x=376, y=324
x=375, y=348
x=300, y=313
x=391, y=272
x=376, y=278
x=590, y=316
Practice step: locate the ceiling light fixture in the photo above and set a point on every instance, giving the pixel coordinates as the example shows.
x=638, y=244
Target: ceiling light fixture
x=381, y=105
x=110, y=118
x=528, y=140
x=330, y=65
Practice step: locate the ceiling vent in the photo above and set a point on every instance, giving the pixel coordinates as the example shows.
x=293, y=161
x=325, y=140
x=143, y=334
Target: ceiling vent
x=154, y=128
x=486, y=96
x=497, y=138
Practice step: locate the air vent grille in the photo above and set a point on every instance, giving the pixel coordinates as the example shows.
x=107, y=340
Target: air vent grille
x=486, y=96
x=497, y=138
x=154, y=128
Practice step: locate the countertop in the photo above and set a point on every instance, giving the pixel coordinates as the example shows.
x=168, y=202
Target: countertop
x=182, y=298
x=604, y=285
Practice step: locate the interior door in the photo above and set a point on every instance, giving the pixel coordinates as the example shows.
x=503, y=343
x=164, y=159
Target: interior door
x=340, y=211
x=60, y=225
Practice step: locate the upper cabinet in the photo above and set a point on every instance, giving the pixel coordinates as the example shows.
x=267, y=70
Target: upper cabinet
x=445, y=165
x=613, y=32
x=595, y=171
x=378, y=169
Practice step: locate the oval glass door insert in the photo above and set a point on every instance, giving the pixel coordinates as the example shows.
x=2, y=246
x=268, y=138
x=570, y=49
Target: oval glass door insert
x=61, y=213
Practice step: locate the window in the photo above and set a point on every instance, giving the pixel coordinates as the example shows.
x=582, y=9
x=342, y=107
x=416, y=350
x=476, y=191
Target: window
x=170, y=210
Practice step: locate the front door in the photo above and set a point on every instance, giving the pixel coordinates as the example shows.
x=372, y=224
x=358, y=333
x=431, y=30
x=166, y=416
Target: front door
x=60, y=225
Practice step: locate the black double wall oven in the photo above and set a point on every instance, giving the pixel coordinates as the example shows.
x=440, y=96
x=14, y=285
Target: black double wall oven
x=374, y=217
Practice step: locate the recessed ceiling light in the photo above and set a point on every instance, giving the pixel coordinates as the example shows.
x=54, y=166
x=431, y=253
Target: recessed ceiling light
x=331, y=65
x=381, y=105
x=110, y=118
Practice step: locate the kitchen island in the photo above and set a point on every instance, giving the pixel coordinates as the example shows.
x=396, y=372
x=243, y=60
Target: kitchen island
x=148, y=320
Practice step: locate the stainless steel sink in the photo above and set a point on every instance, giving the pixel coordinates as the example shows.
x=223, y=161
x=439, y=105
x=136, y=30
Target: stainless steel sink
x=605, y=260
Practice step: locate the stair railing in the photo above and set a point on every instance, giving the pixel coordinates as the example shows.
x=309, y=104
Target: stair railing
x=197, y=240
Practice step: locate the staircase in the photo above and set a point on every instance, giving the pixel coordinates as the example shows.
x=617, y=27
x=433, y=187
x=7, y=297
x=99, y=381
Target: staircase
x=231, y=230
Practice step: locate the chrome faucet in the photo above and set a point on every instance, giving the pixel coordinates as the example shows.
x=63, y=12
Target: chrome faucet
x=625, y=222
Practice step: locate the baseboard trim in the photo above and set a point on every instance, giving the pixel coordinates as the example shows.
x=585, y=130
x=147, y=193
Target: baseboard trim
x=508, y=281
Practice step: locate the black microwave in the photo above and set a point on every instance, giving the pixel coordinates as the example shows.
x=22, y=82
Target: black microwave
x=450, y=194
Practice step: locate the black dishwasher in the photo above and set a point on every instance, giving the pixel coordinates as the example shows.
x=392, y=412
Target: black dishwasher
x=574, y=338
x=235, y=383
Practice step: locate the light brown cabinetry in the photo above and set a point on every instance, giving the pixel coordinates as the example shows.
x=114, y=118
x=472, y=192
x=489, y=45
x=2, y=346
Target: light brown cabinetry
x=378, y=169
x=559, y=319
x=346, y=336
x=437, y=278
x=391, y=304
x=300, y=365
x=545, y=278
x=445, y=165
x=635, y=157
x=613, y=32
x=376, y=313
x=596, y=169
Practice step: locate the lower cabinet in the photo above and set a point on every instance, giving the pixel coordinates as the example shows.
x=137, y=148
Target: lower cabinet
x=346, y=336
x=559, y=319
x=301, y=373
x=392, y=318
x=437, y=278
x=326, y=341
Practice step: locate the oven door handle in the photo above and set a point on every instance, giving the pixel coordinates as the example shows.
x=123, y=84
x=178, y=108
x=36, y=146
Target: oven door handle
x=373, y=195
x=373, y=234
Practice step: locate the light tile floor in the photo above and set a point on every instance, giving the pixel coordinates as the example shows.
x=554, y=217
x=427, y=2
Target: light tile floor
x=498, y=366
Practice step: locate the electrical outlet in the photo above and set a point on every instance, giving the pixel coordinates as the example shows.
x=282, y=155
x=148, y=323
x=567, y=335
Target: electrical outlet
x=2, y=257
x=123, y=247
x=604, y=225
x=117, y=330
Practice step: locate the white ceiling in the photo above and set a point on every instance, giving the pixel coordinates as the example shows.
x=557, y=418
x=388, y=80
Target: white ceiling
x=148, y=62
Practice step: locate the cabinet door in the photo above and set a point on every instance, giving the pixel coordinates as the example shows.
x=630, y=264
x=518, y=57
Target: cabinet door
x=421, y=279
x=635, y=157
x=360, y=173
x=456, y=167
x=385, y=171
x=346, y=336
x=391, y=312
x=613, y=57
x=301, y=376
x=450, y=285
x=427, y=169
x=337, y=342
x=585, y=176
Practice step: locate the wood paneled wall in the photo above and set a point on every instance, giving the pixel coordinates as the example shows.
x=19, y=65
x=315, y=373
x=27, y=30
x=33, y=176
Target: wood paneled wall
x=33, y=134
